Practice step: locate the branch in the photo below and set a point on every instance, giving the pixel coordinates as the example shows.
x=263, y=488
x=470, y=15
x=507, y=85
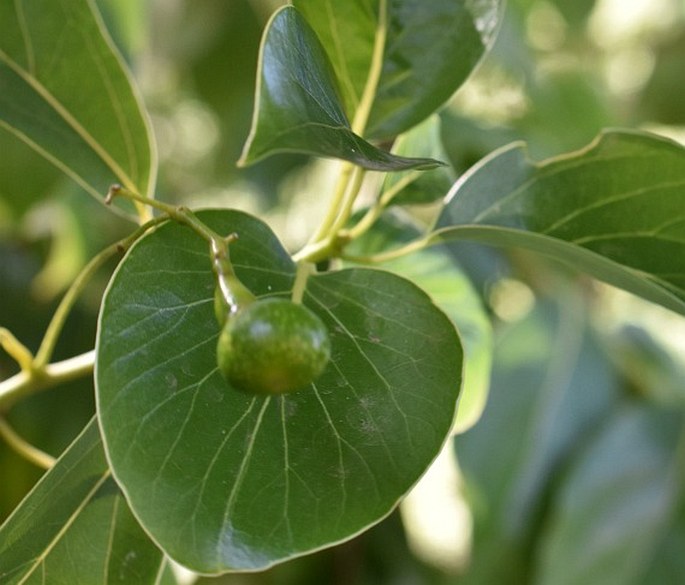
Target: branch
x=28, y=381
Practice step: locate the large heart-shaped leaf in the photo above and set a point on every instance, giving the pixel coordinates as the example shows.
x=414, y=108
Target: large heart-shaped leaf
x=430, y=48
x=297, y=105
x=223, y=480
x=86, y=120
x=75, y=527
x=615, y=209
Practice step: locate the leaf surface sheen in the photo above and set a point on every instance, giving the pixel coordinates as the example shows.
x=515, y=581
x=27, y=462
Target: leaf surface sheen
x=297, y=106
x=431, y=48
x=615, y=209
x=225, y=480
x=85, y=120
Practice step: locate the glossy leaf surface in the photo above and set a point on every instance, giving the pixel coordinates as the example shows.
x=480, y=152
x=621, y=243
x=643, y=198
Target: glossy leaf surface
x=436, y=272
x=76, y=528
x=297, y=106
x=430, y=49
x=615, y=210
x=86, y=119
x=224, y=480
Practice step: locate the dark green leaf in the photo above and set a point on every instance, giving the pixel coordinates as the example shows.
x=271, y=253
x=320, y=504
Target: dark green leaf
x=615, y=210
x=76, y=528
x=228, y=481
x=84, y=119
x=431, y=48
x=297, y=106
x=437, y=273
x=617, y=502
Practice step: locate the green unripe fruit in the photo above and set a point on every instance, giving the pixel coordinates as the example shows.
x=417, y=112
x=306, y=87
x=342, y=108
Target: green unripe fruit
x=273, y=346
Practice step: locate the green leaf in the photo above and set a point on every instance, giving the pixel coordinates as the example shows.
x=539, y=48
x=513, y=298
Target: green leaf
x=617, y=502
x=550, y=385
x=436, y=272
x=297, y=108
x=86, y=119
x=615, y=210
x=431, y=48
x=424, y=187
x=75, y=528
x=227, y=481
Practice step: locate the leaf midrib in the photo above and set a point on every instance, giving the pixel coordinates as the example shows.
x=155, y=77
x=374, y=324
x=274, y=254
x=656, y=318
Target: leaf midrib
x=66, y=115
x=40, y=559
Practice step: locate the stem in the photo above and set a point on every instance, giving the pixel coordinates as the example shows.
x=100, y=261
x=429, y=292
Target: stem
x=30, y=382
x=314, y=252
x=353, y=188
x=59, y=318
x=16, y=349
x=235, y=293
x=179, y=214
x=411, y=247
x=323, y=241
x=361, y=116
x=304, y=269
x=325, y=228
x=375, y=211
x=24, y=448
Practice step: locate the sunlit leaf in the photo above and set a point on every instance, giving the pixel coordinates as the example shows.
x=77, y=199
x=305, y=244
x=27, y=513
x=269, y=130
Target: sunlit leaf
x=65, y=93
x=75, y=527
x=615, y=209
x=297, y=106
x=430, y=49
x=224, y=480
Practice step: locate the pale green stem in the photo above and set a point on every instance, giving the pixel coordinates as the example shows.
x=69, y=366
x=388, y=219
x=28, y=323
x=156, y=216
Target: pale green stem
x=16, y=349
x=24, y=448
x=348, y=202
x=361, y=116
x=375, y=211
x=409, y=248
x=304, y=270
x=313, y=252
x=344, y=196
x=324, y=230
x=32, y=381
x=235, y=294
x=328, y=243
x=60, y=316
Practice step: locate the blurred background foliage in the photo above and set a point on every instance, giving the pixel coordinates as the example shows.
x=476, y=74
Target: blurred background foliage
x=575, y=473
